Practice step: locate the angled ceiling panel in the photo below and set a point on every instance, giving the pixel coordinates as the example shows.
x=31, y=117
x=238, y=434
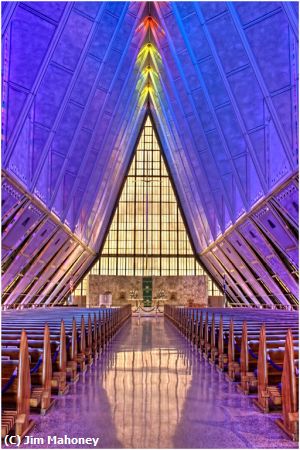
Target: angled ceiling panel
x=28, y=251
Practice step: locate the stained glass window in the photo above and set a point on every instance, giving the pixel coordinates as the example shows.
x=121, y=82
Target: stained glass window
x=147, y=235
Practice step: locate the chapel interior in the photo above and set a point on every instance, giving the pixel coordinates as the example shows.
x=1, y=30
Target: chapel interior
x=150, y=217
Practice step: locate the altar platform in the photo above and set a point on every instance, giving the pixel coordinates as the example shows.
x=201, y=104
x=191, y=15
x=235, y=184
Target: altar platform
x=148, y=311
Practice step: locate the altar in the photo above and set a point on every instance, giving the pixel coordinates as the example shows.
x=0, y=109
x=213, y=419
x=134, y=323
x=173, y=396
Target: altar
x=139, y=310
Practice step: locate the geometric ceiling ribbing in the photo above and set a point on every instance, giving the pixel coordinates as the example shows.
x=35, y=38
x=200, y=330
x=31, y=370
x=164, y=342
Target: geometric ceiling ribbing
x=224, y=100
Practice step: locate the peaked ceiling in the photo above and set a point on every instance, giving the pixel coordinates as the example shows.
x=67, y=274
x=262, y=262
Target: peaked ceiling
x=223, y=95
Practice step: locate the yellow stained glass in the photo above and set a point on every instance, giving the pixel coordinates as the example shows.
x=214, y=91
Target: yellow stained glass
x=147, y=235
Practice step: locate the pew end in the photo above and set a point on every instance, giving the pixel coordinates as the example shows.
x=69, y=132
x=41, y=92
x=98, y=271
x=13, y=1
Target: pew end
x=16, y=394
x=289, y=422
x=290, y=426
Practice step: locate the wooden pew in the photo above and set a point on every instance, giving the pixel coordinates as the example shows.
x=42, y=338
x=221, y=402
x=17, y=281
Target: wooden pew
x=40, y=370
x=269, y=371
x=35, y=328
x=249, y=356
x=59, y=376
x=235, y=346
x=16, y=393
x=290, y=392
x=58, y=352
x=53, y=362
x=81, y=355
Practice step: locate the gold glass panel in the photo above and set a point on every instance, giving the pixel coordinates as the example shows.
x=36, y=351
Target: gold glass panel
x=147, y=235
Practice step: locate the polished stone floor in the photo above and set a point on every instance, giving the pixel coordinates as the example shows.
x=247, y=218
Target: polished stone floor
x=150, y=390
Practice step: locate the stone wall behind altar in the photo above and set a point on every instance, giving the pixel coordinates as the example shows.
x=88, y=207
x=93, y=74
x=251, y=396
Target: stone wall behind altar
x=179, y=290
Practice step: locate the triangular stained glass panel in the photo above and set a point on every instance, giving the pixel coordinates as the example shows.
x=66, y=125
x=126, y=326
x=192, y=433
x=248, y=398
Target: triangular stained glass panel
x=147, y=235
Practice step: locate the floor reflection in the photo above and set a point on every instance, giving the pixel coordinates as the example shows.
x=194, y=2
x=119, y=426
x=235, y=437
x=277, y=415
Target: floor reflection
x=149, y=389
x=147, y=386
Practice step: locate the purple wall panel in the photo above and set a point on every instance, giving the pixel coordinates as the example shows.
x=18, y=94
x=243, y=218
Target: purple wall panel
x=114, y=96
x=274, y=228
x=185, y=100
x=100, y=131
x=213, y=81
x=248, y=96
x=65, y=132
x=72, y=41
x=230, y=49
x=85, y=80
x=178, y=40
x=278, y=164
x=59, y=259
x=63, y=268
x=47, y=104
x=245, y=251
x=109, y=69
x=212, y=9
x=16, y=100
x=39, y=237
x=40, y=136
x=64, y=284
x=189, y=71
x=236, y=144
x=258, y=140
x=124, y=33
x=103, y=35
x=232, y=287
x=211, y=167
x=256, y=240
x=283, y=105
x=89, y=8
x=30, y=38
x=19, y=163
x=185, y=8
x=57, y=161
x=288, y=201
x=94, y=109
x=35, y=243
x=219, y=154
x=77, y=275
x=255, y=190
x=11, y=198
x=115, y=8
x=197, y=38
x=233, y=256
x=51, y=248
x=42, y=186
x=57, y=206
x=68, y=182
x=79, y=151
x=205, y=114
x=249, y=11
x=22, y=224
x=52, y=9
x=233, y=272
x=272, y=50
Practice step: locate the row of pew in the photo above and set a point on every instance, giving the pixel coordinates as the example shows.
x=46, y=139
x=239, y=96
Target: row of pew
x=43, y=351
x=258, y=350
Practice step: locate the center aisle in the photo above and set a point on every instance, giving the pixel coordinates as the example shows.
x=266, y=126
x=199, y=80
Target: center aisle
x=150, y=390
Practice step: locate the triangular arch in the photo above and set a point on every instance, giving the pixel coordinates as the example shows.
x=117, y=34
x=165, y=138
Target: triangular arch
x=147, y=235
